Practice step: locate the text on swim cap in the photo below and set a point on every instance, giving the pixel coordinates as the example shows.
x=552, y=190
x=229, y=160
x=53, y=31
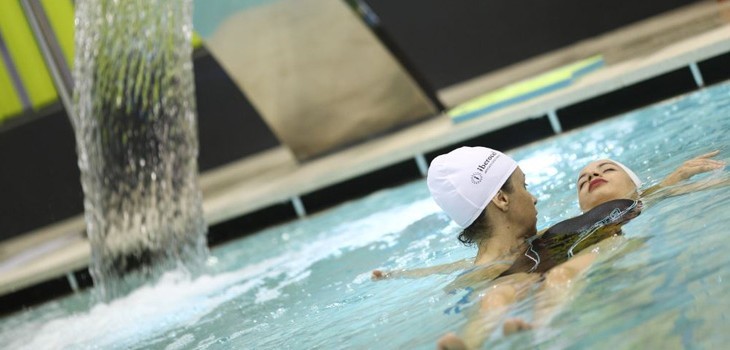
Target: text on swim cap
x=486, y=165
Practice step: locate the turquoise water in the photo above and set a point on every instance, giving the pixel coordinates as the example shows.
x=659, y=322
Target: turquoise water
x=306, y=284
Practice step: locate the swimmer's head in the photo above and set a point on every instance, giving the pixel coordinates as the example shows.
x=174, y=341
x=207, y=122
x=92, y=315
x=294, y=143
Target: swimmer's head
x=604, y=180
x=466, y=180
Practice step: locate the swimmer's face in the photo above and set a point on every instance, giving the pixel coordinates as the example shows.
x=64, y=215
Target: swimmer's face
x=602, y=181
x=522, y=202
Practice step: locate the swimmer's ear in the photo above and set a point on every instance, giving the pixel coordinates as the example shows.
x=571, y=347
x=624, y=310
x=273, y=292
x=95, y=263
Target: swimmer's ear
x=501, y=201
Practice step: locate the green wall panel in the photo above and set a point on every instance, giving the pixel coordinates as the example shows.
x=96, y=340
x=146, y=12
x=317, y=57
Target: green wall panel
x=9, y=101
x=25, y=54
x=61, y=15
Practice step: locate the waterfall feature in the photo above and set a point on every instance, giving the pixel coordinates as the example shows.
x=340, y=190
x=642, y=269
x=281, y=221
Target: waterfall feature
x=136, y=138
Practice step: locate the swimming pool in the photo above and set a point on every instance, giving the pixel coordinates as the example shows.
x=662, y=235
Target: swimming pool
x=306, y=284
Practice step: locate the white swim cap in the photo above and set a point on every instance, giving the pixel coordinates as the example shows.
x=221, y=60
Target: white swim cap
x=463, y=181
x=632, y=174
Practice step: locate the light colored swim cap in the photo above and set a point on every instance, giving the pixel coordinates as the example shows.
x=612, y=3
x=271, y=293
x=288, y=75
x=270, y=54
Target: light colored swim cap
x=632, y=174
x=463, y=181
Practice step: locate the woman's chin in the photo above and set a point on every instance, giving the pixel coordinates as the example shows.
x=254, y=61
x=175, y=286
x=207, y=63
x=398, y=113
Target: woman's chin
x=600, y=196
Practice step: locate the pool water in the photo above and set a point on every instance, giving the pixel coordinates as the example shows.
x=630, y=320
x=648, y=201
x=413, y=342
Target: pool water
x=306, y=284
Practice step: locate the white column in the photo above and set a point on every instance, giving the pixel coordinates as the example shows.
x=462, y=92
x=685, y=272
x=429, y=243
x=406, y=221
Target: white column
x=422, y=164
x=697, y=74
x=298, y=206
x=72, y=281
x=554, y=121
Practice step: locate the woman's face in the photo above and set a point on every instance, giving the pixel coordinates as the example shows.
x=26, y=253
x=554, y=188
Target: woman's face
x=522, y=202
x=602, y=181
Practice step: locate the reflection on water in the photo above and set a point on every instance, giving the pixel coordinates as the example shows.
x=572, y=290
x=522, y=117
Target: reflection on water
x=136, y=138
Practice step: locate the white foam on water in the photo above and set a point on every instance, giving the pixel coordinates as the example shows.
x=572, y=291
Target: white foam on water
x=181, y=343
x=177, y=300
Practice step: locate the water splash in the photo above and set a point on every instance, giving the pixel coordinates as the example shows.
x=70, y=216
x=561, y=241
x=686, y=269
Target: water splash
x=136, y=139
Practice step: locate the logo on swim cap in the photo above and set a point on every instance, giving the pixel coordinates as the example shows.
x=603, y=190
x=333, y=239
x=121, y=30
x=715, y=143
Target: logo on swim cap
x=476, y=178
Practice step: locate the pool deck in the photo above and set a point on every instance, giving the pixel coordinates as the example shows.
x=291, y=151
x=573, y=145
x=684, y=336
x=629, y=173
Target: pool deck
x=274, y=177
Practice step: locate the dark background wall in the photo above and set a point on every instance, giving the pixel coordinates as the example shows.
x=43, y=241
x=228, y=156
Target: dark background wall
x=450, y=41
x=40, y=180
x=229, y=127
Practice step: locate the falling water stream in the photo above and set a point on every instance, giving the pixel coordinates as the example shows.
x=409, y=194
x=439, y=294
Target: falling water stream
x=137, y=145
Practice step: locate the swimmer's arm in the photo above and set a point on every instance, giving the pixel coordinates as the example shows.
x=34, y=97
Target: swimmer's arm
x=655, y=193
x=559, y=284
x=478, y=274
x=557, y=288
x=494, y=305
x=424, y=271
x=692, y=167
x=670, y=185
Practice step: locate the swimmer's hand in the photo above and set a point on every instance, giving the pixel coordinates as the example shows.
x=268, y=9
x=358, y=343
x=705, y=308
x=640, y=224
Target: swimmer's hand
x=450, y=342
x=378, y=275
x=692, y=167
x=515, y=325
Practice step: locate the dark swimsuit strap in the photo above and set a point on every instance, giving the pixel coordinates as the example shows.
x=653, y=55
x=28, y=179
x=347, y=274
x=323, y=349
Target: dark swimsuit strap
x=566, y=238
